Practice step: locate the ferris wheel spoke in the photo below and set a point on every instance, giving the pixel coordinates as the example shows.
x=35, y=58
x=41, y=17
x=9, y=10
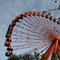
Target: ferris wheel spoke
x=28, y=41
x=22, y=37
x=21, y=41
x=43, y=21
x=31, y=34
x=30, y=19
x=29, y=30
x=18, y=40
x=40, y=24
x=23, y=32
x=46, y=22
x=14, y=36
x=33, y=25
x=31, y=50
x=26, y=38
x=45, y=48
x=28, y=46
x=24, y=47
x=31, y=42
x=25, y=24
x=37, y=48
x=34, y=50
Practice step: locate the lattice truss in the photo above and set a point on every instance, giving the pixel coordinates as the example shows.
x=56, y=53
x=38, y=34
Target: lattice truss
x=30, y=31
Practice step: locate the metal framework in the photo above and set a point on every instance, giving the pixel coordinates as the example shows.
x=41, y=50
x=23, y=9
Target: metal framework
x=30, y=31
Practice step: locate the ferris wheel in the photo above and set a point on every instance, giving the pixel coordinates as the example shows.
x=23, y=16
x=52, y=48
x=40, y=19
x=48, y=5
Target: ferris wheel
x=31, y=31
x=55, y=10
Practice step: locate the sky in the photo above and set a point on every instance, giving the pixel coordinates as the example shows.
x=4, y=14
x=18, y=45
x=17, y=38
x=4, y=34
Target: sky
x=9, y=9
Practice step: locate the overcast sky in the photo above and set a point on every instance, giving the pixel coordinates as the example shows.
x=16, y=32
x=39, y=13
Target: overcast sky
x=9, y=9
